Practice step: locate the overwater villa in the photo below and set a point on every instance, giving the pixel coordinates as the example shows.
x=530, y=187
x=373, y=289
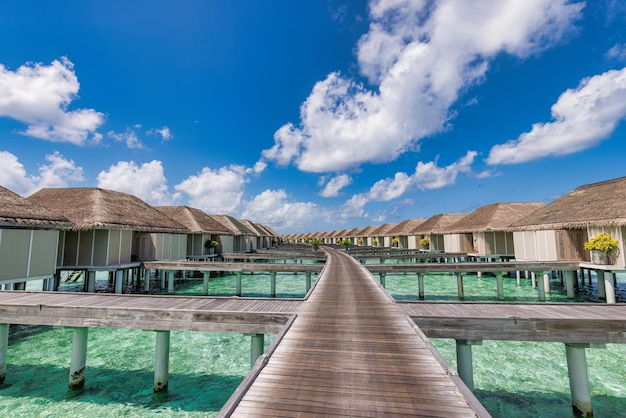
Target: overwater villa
x=263, y=239
x=29, y=234
x=434, y=228
x=402, y=233
x=379, y=237
x=239, y=239
x=111, y=231
x=484, y=232
x=203, y=230
x=559, y=230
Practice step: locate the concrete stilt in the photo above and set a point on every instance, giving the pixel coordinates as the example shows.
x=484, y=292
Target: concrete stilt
x=518, y=276
x=382, y=279
x=257, y=348
x=119, y=281
x=170, y=282
x=601, y=284
x=162, y=361
x=79, y=358
x=273, y=284
x=308, y=281
x=4, y=344
x=540, y=285
x=205, y=282
x=569, y=284
x=609, y=286
x=238, y=284
x=420, y=284
x=500, y=285
x=579, y=379
x=533, y=280
x=146, y=280
x=91, y=281
x=459, y=286
x=464, y=361
x=546, y=283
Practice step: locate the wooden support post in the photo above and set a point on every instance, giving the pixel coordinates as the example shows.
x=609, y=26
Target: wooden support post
x=79, y=358
x=464, y=361
x=205, y=283
x=420, y=285
x=308, y=281
x=609, y=286
x=119, y=281
x=459, y=286
x=170, y=281
x=4, y=344
x=500, y=285
x=162, y=361
x=569, y=284
x=382, y=279
x=238, y=284
x=601, y=284
x=273, y=284
x=257, y=348
x=579, y=379
x=540, y=285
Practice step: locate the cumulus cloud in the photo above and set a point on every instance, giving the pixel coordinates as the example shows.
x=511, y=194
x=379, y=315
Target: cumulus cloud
x=163, y=132
x=335, y=184
x=39, y=96
x=59, y=172
x=422, y=56
x=583, y=117
x=129, y=137
x=272, y=208
x=216, y=191
x=146, y=181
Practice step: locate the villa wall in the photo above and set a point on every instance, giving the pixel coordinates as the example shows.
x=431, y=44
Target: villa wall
x=27, y=253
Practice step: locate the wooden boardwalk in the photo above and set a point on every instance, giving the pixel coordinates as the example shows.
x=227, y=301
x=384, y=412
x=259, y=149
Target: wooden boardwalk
x=352, y=351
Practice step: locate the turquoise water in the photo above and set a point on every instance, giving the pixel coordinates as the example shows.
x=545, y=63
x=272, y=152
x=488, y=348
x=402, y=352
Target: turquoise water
x=512, y=379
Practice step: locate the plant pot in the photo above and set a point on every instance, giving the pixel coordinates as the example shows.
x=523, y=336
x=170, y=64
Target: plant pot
x=599, y=257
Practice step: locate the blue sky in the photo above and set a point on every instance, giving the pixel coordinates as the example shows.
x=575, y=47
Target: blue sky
x=314, y=115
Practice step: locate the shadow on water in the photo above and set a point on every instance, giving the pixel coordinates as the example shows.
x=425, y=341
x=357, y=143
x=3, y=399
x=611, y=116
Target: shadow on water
x=19, y=333
x=190, y=393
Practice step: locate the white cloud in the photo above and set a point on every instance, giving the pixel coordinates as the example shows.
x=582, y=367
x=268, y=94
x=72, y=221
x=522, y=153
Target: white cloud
x=430, y=176
x=216, y=191
x=129, y=138
x=147, y=181
x=163, y=132
x=335, y=184
x=583, y=117
x=58, y=173
x=272, y=208
x=617, y=52
x=39, y=96
x=422, y=55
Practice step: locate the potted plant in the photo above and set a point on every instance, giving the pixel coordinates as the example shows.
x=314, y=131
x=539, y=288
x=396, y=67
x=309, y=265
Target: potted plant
x=315, y=242
x=425, y=243
x=211, y=245
x=374, y=242
x=346, y=243
x=395, y=242
x=603, y=248
x=360, y=241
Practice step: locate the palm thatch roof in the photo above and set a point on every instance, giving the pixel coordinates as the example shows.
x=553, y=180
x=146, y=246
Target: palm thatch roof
x=256, y=230
x=405, y=227
x=233, y=225
x=366, y=232
x=382, y=230
x=194, y=219
x=270, y=230
x=94, y=208
x=597, y=204
x=17, y=211
x=494, y=217
x=437, y=224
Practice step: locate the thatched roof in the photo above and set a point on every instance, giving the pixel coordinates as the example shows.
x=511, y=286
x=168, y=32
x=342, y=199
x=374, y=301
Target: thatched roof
x=256, y=230
x=194, y=219
x=382, y=230
x=233, y=225
x=17, y=211
x=596, y=204
x=405, y=227
x=494, y=217
x=437, y=224
x=94, y=208
x=365, y=232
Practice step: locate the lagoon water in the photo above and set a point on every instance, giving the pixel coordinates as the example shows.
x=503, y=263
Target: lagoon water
x=512, y=379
